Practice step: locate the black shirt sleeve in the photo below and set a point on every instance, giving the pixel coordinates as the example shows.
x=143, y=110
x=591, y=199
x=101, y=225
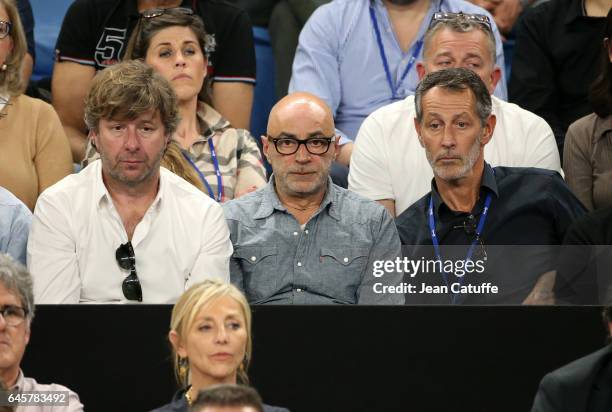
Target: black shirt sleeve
x=234, y=56
x=27, y=20
x=565, y=206
x=76, y=40
x=532, y=78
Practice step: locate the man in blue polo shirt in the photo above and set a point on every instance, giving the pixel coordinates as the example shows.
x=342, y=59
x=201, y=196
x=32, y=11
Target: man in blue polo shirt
x=359, y=55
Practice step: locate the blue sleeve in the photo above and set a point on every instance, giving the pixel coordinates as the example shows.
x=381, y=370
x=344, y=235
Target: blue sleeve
x=27, y=20
x=19, y=231
x=316, y=67
x=501, y=90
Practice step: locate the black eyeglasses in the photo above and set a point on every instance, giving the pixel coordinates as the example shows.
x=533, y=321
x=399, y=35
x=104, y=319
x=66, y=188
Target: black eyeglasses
x=5, y=28
x=469, y=226
x=318, y=145
x=13, y=315
x=127, y=260
x=151, y=13
x=448, y=16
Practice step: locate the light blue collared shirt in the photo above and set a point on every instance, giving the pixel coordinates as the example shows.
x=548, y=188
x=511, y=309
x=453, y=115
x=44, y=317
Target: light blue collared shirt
x=331, y=260
x=338, y=58
x=15, y=221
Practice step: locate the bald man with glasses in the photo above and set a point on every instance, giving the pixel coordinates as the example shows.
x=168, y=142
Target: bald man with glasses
x=301, y=239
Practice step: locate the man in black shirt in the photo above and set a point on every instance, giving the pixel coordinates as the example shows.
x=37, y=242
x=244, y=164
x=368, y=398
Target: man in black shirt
x=582, y=385
x=555, y=60
x=504, y=218
x=95, y=33
x=584, y=275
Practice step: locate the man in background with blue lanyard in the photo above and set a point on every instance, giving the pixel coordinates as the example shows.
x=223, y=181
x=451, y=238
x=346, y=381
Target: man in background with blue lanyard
x=359, y=55
x=505, y=218
x=388, y=163
x=301, y=239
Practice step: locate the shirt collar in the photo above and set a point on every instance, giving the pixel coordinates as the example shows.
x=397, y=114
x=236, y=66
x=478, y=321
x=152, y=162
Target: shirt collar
x=488, y=183
x=101, y=193
x=18, y=386
x=210, y=121
x=602, y=126
x=271, y=202
x=433, y=4
x=574, y=11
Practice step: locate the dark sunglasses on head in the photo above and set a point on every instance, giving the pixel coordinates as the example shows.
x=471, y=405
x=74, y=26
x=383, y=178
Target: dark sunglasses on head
x=127, y=260
x=448, y=16
x=151, y=13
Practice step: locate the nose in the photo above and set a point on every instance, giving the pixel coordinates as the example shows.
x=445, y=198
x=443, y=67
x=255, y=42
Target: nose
x=302, y=155
x=180, y=60
x=448, y=138
x=132, y=141
x=222, y=335
x=3, y=323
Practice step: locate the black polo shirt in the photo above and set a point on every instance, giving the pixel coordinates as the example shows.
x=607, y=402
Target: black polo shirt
x=96, y=32
x=585, y=267
x=554, y=62
x=530, y=211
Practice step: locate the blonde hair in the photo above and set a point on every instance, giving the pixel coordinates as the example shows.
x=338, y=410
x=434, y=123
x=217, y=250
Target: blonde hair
x=187, y=308
x=174, y=161
x=10, y=79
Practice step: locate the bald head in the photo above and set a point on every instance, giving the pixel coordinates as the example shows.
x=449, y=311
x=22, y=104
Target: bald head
x=297, y=108
x=303, y=122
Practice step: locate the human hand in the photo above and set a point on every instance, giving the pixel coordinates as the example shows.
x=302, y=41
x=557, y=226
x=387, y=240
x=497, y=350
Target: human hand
x=543, y=293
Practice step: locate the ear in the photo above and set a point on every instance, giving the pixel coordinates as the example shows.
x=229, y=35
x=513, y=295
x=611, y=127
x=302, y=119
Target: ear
x=27, y=334
x=336, y=146
x=420, y=67
x=93, y=136
x=266, y=146
x=495, y=77
x=175, y=340
x=488, y=130
x=417, y=126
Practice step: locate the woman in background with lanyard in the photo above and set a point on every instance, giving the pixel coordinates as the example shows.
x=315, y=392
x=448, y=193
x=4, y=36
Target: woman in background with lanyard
x=206, y=150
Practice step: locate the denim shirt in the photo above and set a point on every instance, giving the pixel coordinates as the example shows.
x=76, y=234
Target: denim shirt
x=330, y=261
x=15, y=221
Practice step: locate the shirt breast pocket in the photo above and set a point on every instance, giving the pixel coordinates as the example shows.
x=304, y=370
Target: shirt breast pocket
x=344, y=267
x=259, y=269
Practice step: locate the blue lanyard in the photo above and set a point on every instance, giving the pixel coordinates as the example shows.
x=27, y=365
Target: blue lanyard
x=436, y=243
x=213, y=154
x=383, y=56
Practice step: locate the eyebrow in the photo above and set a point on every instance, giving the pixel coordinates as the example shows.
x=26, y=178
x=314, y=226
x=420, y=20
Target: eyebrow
x=435, y=114
x=312, y=134
x=472, y=55
x=233, y=315
x=167, y=43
